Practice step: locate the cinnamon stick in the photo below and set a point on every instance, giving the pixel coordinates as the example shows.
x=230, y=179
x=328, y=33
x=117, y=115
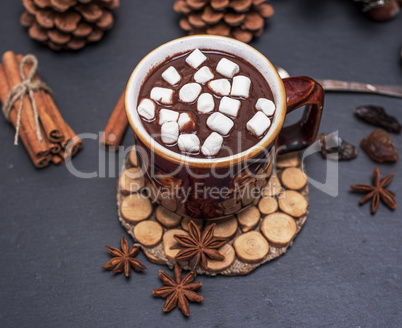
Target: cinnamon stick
x=38, y=161
x=57, y=159
x=72, y=142
x=116, y=126
x=65, y=129
x=50, y=127
x=11, y=69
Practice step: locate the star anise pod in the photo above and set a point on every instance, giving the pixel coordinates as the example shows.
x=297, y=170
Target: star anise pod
x=177, y=291
x=124, y=259
x=199, y=247
x=377, y=191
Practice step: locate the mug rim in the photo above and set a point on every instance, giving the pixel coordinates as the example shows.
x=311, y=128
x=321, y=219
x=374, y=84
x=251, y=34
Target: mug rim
x=181, y=159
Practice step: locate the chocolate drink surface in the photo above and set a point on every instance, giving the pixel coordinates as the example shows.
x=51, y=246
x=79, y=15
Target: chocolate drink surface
x=206, y=104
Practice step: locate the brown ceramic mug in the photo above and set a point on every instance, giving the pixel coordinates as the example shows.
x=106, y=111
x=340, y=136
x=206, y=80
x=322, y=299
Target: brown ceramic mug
x=220, y=187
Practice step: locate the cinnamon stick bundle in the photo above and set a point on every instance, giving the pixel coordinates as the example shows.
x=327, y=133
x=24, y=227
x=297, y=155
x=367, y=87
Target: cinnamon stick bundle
x=52, y=140
x=116, y=126
x=38, y=161
x=50, y=126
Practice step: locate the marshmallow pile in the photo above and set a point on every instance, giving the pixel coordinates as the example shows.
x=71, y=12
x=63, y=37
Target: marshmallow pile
x=180, y=128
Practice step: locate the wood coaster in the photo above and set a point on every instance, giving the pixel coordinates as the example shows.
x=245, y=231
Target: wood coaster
x=258, y=234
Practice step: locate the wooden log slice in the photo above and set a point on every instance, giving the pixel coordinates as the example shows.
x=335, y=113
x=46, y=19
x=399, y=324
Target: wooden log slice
x=267, y=205
x=167, y=218
x=251, y=247
x=135, y=208
x=131, y=180
x=186, y=220
x=148, y=233
x=273, y=187
x=293, y=203
x=279, y=229
x=169, y=242
x=225, y=228
x=288, y=160
x=229, y=255
x=293, y=178
x=249, y=218
x=132, y=157
x=152, y=258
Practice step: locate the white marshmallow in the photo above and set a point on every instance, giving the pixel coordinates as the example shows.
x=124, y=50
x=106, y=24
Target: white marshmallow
x=266, y=106
x=227, y=68
x=186, y=122
x=146, y=109
x=196, y=58
x=205, y=103
x=171, y=76
x=258, y=124
x=203, y=75
x=241, y=86
x=167, y=115
x=220, y=123
x=220, y=87
x=229, y=106
x=170, y=132
x=163, y=95
x=212, y=145
x=189, y=143
x=189, y=92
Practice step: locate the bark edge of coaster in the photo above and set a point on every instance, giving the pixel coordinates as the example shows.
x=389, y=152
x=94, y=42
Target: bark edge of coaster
x=250, y=242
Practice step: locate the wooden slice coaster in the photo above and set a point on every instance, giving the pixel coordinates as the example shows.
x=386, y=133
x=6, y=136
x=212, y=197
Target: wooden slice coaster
x=136, y=208
x=288, y=160
x=251, y=247
x=185, y=221
x=131, y=180
x=225, y=228
x=273, y=187
x=132, y=157
x=268, y=226
x=249, y=218
x=268, y=205
x=169, y=242
x=229, y=256
x=293, y=178
x=148, y=233
x=279, y=229
x=167, y=218
x=293, y=203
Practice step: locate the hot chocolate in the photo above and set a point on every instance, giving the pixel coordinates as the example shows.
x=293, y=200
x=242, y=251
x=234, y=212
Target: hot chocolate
x=206, y=103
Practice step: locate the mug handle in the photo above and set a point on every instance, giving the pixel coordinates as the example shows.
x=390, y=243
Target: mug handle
x=301, y=91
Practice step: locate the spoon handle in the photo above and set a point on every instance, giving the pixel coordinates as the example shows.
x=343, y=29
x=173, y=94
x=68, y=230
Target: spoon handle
x=388, y=90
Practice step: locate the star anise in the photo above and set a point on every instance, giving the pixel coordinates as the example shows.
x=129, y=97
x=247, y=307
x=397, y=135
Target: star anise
x=124, y=259
x=197, y=247
x=377, y=191
x=177, y=291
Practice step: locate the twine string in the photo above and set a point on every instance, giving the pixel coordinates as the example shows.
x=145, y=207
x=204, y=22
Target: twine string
x=27, y=87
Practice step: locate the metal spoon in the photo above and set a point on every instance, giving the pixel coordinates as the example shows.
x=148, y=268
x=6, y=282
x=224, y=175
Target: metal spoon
x=343, y=86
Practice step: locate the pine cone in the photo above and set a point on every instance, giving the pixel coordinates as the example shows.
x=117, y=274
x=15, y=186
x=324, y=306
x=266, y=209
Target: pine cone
x=68, y=24
x=240, y=19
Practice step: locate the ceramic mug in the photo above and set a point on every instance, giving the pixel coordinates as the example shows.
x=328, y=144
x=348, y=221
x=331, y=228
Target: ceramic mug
x=219, y=187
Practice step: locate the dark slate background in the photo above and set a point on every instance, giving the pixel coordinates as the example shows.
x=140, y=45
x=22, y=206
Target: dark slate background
x=344, y=269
